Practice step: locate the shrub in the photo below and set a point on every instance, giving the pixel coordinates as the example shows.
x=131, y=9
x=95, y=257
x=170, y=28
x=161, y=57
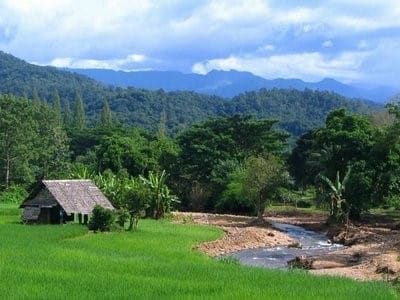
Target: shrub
x=392, y=201
x=101, y=219
x=229, y=203
x=15, y=194
x=304, y=204
x=122, y=215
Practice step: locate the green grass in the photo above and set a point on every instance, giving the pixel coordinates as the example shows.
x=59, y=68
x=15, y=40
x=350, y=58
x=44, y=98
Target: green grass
x=157, y=261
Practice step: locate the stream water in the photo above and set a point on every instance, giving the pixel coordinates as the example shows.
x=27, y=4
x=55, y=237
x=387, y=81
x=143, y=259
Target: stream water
x=313, y=243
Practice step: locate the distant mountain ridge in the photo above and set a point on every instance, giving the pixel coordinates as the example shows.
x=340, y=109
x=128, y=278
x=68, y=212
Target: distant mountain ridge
x=297, y=111
x=227, y=83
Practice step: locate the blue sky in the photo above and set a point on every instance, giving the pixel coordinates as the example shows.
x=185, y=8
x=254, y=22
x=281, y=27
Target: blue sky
x=354, y=43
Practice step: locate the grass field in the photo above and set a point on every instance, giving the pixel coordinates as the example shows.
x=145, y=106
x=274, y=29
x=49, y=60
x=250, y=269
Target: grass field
x=157, y=261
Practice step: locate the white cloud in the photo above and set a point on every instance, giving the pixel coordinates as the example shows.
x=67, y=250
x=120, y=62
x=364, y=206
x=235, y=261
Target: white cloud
x=270, y=38
x=310, y=66
x=130, y=63
x=327, y=44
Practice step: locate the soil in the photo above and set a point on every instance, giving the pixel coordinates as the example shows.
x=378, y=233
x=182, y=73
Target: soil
x=372, y=252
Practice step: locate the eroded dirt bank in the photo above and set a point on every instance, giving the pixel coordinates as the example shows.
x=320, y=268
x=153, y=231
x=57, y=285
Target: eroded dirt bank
x=240, y=233
x=372, y=248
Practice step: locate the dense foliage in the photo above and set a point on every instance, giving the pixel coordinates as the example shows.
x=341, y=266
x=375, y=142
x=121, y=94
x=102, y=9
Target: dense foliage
x=101, y=219
x=210, y=151
x=211, y=165
x=208, y=165
x=33, y=143
x=351, y=141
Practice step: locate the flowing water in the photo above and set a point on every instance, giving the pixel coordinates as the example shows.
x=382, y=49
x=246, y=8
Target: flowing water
x=313, y=243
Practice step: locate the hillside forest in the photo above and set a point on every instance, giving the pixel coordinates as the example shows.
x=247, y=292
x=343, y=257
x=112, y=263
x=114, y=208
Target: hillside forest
x=235, y=163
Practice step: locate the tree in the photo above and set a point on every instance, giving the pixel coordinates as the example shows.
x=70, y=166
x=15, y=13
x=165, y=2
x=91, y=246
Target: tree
x=105, y=119
x=79, y=117
x=385, y=161
x=136, y=201
x=206, y=146
x=35, y=96
x=346, y=140
x=32, y=142
x=53, y=143
x=68, y=119
x=337, y=189
x=263, y=176
x=18, y=131
x=57, y=107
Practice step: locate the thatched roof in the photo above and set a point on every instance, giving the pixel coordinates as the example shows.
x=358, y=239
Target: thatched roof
x=74, y=196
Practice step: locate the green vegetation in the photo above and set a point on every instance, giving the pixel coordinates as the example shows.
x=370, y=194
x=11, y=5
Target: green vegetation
x=347, y=140
x=262, y=178
x=101, y=219
x=206, y=166
x=156, y=261
x=297, y=111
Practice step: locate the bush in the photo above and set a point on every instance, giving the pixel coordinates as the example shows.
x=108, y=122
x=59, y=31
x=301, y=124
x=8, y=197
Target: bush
x=392, y=202
x=15, y=194
x=101, y=219
x=236, y=205
x=122, y=215
x=304, y=204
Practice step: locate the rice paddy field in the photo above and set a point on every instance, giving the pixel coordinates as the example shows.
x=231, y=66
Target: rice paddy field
x=155, y=262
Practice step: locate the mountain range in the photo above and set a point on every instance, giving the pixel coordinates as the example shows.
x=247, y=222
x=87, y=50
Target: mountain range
x=297, y=111
x=228, y=84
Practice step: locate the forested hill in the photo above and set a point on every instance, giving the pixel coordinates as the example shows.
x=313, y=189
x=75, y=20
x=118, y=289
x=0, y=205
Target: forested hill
x=20, y=78
x=297, y=110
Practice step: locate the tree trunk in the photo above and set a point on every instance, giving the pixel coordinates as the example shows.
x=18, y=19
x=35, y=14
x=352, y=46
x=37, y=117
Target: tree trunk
x=8, y=170
x=261, y=209
x=131, y=220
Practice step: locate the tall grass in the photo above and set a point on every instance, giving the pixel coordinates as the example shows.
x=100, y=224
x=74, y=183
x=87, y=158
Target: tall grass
x=157, y=261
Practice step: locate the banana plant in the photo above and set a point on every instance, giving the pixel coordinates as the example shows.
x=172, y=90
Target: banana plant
x=337, y=189
x=162, y=198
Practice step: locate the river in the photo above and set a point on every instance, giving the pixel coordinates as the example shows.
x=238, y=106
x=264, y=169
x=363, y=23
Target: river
x=313, y=243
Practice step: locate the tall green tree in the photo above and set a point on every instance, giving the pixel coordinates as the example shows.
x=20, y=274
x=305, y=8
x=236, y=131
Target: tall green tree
x=262, y=178
x=18, y=132
x=54, y=153
x=347, y=139
x=67, y=117
x=79, y=115
x=35, y=96
x=207, y=146
x=106, y=118
x=32, y=142
x=57, y=106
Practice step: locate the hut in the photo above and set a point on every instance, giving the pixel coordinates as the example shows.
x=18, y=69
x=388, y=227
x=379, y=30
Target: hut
x=58, y=201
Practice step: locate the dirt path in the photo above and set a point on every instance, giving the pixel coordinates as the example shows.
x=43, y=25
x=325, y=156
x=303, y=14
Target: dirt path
x=371, y=254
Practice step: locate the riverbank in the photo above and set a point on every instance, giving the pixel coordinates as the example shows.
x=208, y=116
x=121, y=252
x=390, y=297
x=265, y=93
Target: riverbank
x=372, y=248
x=240, y=233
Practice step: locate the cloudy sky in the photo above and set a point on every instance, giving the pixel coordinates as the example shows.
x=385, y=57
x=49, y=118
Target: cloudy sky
x=357, y=42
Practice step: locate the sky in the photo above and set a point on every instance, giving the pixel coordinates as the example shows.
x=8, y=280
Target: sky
x=353, y=41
